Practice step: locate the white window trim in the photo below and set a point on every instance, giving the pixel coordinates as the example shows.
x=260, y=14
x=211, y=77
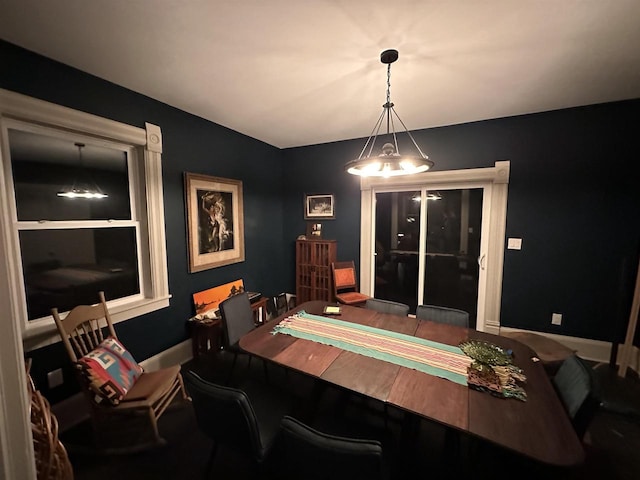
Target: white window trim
x=20, y=107
x=497, y=178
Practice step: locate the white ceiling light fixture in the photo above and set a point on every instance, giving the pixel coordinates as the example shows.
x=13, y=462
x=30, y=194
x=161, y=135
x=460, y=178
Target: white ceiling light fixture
x=390, y=162
x=83, y=185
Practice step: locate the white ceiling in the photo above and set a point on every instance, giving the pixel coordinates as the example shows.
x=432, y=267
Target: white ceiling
x=300, y=72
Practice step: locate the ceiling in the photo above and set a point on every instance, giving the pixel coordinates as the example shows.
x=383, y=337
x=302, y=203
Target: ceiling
x=298, y=72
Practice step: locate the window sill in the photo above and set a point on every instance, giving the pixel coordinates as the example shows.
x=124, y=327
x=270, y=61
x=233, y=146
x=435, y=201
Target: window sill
x=45, y=332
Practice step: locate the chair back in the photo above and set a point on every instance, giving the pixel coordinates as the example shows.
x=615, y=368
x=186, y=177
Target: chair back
x=225, y=415
x=345, y=284
x=237, y=318
x=451, y=316
x=281, y=304
x=576, y=387
x=82, y=329
x=344, y=277
x=387, y=306
x=303, y=452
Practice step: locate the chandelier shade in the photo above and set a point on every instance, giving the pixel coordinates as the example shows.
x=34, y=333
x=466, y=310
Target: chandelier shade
x=390, y=162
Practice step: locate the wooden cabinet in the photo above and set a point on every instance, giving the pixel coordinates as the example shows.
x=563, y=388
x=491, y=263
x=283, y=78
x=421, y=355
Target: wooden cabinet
x=313, y=269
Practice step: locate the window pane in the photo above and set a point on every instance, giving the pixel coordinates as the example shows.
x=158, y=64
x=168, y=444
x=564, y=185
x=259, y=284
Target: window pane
x=454, y=224
x=65, y=268
x=397, y=236
x=43, y=166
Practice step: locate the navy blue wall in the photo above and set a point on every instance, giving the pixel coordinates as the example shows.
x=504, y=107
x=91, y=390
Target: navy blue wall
x=574, y=198
x=190, y=144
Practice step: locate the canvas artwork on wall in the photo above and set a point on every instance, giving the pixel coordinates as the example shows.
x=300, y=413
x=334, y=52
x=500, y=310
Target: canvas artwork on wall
x=209, y=299
x=215, y=221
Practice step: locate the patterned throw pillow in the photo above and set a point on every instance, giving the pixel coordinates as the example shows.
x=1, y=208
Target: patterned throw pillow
x=110, y=371
x=116, y=347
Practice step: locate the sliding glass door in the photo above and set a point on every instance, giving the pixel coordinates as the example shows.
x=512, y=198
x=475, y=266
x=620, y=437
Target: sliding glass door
x=437, y=237
x=427, y=245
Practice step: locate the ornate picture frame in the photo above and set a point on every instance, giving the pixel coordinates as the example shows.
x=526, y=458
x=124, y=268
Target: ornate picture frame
x=215, y=221
x=319, y=206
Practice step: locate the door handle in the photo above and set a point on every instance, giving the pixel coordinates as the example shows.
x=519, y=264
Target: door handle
x=481, y=261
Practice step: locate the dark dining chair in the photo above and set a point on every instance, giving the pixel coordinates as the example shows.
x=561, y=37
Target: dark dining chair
x=387, y=306
x=303, y=452
x=237, y=320
x=227, y=416
x=281, y=304
x=451, y=316
x=576, y=385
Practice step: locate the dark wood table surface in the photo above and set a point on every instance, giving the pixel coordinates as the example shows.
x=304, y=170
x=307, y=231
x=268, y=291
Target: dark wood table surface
x=538, y=428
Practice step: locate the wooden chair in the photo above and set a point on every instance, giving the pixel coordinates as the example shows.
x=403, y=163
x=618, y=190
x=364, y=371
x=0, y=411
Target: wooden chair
x=132, y=424
x=345, y=284
x=303, y=452
x=451, y=316
x=387, y=306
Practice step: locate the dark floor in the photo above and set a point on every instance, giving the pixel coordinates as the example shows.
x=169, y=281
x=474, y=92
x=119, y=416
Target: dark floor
x=612, y=442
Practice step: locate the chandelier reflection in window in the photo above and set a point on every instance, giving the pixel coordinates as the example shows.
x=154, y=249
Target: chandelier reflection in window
x=83, y=186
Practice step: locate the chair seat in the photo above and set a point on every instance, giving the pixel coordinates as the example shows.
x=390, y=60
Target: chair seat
x=352, y=298
x=152, y=386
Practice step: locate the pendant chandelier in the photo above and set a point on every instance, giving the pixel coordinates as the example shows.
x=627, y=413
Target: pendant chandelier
x=83, y=185
x=390, y=162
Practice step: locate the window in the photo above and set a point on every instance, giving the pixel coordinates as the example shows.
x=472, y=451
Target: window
x=63, y=248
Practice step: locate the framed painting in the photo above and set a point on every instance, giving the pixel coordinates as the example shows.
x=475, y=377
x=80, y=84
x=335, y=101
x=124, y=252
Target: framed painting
x=319, y=206
x=215, y=221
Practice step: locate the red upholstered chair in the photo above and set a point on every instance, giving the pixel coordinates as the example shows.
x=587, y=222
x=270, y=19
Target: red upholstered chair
x=345, y=284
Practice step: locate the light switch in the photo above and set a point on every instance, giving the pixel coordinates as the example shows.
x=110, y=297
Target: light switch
x=514, y=244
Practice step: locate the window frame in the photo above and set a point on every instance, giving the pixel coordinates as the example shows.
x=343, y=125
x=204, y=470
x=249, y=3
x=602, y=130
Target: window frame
x=146, y=191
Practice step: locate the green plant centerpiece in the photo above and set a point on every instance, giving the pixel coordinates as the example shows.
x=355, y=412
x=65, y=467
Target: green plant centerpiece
x=492, y=370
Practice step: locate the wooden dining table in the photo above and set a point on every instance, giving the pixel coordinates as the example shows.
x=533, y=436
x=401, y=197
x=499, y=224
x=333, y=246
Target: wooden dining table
x=538, y=428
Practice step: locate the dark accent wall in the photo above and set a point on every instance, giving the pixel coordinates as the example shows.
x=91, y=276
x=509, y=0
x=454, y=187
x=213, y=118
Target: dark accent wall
x=574, y=199
x=190, y=144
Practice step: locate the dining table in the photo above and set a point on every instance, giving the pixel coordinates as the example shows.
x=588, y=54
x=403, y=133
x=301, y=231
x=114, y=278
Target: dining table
x=538, y=427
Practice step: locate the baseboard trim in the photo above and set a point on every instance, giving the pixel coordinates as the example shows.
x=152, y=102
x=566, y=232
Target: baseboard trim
x=176, y=355
x=595, y=350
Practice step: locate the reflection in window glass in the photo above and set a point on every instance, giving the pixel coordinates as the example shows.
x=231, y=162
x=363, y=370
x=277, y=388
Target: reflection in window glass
x=65, y=268
x=43, y=166
x=397, y=246
x=453, y=232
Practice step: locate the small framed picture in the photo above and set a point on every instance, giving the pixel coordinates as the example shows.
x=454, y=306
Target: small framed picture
x=319, y=206
x=314, y=231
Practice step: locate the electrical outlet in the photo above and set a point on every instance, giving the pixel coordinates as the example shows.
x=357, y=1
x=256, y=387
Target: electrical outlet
x=514, y=244
x=55, y=378
x=556, y=319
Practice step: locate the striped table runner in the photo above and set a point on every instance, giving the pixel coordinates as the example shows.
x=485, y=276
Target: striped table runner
x=434, y=358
